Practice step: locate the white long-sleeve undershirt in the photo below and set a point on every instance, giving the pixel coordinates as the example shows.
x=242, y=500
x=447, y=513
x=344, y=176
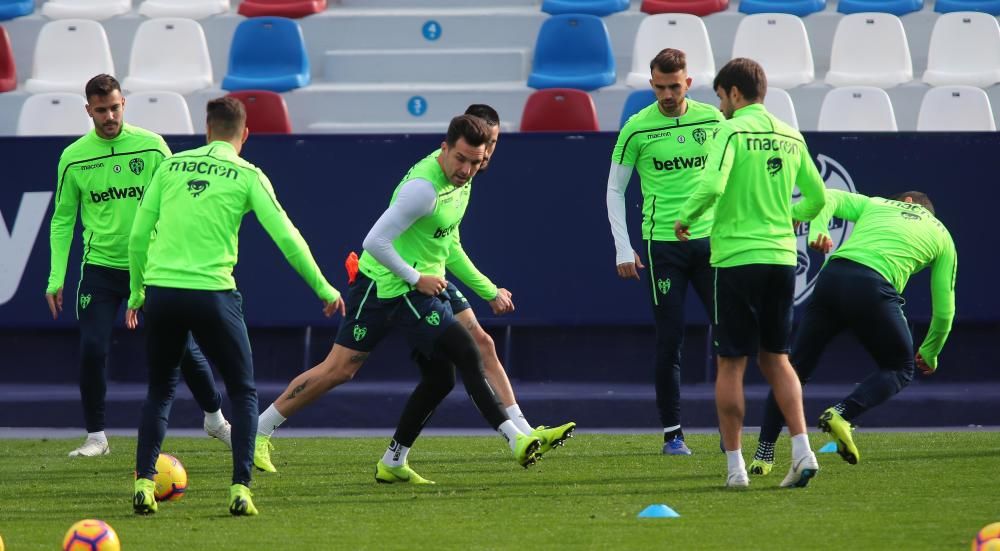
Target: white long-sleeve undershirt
x=416, y=198
x=618, y=178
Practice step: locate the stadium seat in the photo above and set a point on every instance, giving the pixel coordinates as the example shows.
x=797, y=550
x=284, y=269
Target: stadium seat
x=857, y=109
x=97, y=10
x=162, y=112
x=8, y=69
x=895, y=7
x=588, y=65
x=9, y=9
x=192, y=9
x=956, y=109
x=701, y=8
x=949, y=57
x=281, y=8
x=778, y=41
x=54, y=114
x=267, y=53
x=599, y=8
x=68, y=53
x=266, y=111
x=635, y=102
x=675, y=30
x=169, y=54
x=779, y=103
x=559, y=110
x=991, y=7
x=870, y=49
x=800, y=8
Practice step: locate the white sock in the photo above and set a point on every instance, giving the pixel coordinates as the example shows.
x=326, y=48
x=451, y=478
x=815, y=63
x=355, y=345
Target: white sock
x=800, y=445
x=98, y=436
x=215, y=418
x=269, y=420
x=395, y=454
x=515, y=415
x=734, y=461
x=509, y=431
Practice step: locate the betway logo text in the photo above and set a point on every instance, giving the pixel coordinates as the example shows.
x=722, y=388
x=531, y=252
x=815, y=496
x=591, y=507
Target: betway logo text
x=678, y=163
x=16, y=245
x=113, y=193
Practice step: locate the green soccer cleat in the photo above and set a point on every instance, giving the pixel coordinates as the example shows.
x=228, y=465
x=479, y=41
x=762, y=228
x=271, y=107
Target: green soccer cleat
x=385, y=474
x=240, y=502
x=262, y=454
x=143, y=500
x=760, y=467
x=550, y=438
x=526, y=450
x=840, y=430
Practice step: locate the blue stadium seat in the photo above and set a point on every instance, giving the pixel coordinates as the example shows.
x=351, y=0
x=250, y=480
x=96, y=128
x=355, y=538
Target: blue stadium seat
x=635, y=102
x=991, y=7
x=800, y=8
x=9, y=9
x=267, y=53
x=573, y=51
x=895, y=7
x=599, y=8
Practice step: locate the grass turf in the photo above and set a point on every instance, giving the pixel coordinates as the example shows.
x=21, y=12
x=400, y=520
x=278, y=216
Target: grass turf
x=912, y=491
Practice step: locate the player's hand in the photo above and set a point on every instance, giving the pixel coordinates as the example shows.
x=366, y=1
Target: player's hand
x=630, y=270
x=822, y=244
x=331, y=308
x=681, y=231
x=502, y=304
x=131, y=318
x=431, y=285
x=923, y=366
x=55, y=301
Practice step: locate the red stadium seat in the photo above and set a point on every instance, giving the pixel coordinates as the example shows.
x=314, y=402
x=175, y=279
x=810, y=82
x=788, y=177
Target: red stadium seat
x=281, y=8
x=559, y=110
x=266, y=111
x=700, y=8
x=8, y=71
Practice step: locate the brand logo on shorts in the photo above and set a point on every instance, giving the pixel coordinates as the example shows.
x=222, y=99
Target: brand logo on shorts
x=810, y=261
x=197, y=187
x=699, y=135
x=136, y=166
x=663, y=285
x=359, y=333
x=774, y=165
x=434, y=319
x=85, y=301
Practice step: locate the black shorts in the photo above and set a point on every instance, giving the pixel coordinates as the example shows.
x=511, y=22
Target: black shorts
x=753, y=309
x=458, y=301
x=369, y=318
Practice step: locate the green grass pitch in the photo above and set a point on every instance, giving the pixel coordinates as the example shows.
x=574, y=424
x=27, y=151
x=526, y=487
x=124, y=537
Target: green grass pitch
x=911, y=491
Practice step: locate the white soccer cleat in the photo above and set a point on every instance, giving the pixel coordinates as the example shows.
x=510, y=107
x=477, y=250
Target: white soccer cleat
x=803, y=469
x=91, y=448
x=738, y=480
x=223, y=432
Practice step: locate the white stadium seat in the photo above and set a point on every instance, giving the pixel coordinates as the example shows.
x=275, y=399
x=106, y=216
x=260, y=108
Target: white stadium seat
x=85, y=9
x=54, y=114
x=956, y=109
x=778, y=41
x=779, y=104
x=161, y=112
x=857, y=109
x=192, y=9
x=870, y=49
x=169, y=54
x=68, y=53
x=964, y=49
x=672, y=30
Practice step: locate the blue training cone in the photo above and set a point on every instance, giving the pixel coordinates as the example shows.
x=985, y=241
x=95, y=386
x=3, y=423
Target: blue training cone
x=829, y=447
x=658, y=511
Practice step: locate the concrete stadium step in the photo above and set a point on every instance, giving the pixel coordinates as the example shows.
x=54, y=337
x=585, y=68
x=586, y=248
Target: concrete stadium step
x=406, y=65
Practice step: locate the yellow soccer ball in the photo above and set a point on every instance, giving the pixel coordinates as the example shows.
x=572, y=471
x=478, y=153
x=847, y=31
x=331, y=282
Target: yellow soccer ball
x=171, y=479
x=988, y=539
x=91, y=535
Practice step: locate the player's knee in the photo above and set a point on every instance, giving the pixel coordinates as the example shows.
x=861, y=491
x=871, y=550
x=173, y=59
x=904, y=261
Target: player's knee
x=458, y=346
x=484, y=341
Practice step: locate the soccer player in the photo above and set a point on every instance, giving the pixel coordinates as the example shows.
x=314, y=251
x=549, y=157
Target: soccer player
x=753, y=163
x=859, y=289
x=438, y=374
x=104, y=175
x=401, y=285
x=184, y=282
x=666, y=142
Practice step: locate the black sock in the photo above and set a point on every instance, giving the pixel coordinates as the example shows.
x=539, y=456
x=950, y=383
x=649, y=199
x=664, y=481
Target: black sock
x=670, y=435
x=765, y=451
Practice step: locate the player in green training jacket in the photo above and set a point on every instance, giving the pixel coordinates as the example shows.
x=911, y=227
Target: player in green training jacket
x=859, y=290
x=184, y=281
x=666, y=142
x=754, y=162
x=104, y=175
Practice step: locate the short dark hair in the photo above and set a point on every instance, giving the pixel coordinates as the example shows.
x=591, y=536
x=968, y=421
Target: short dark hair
x=226, y=117
x=101, y=85
x=471, y=128
x=746, y=75
x=484, y=112
x=669, y=60
x=918, y=197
